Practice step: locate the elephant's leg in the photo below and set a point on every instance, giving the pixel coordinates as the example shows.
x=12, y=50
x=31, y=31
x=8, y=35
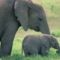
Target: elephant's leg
x=44, y=51
x=31, y=52
x=7, y=39
x=27, y=53
x=34, y=51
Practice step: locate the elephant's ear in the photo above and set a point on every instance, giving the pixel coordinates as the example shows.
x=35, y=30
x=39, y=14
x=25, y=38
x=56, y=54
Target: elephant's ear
x=21, y=14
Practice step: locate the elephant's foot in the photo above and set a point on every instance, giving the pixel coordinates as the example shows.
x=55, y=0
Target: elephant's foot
x=4, y=54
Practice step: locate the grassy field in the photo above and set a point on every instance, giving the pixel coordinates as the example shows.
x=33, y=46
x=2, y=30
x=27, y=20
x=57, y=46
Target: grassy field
x=52, y=9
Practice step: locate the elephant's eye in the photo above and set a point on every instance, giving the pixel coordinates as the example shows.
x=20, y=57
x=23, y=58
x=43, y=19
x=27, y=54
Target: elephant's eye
x=40, y=19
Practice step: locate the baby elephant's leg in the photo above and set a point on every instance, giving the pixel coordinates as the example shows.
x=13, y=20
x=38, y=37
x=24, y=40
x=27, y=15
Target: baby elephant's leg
x=44, y=51
x=30, y=53
x=34, y=52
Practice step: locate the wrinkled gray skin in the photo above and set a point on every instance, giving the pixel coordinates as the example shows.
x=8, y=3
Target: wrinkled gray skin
x=33, y=45
x=16, y=13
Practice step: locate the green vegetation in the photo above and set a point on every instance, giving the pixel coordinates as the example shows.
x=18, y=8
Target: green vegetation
x=56, y=33
x=52, y=8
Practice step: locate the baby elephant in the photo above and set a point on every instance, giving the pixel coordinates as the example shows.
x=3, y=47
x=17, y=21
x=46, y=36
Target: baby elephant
x=33, y=45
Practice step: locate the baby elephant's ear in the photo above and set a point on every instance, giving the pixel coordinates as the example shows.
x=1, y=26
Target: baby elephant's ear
x=21, y=13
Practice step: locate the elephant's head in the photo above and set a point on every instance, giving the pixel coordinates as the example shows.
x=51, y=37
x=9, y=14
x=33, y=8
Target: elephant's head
x=37, y=19
x=31, y=16
x=53, y=42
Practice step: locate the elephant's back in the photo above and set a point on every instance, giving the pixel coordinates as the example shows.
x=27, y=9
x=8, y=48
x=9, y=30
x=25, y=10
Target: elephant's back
x=30, y=43
x=6, y=6
x=31, y=37
x=36, y=40
x=6, y=3
x=6, y=9
x=31, y=40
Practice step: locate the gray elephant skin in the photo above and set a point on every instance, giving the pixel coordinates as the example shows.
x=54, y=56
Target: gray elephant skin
x=36, y=44
x=16, y=13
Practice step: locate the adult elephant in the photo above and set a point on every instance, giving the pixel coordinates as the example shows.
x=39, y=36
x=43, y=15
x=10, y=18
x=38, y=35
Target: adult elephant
x=16, y=13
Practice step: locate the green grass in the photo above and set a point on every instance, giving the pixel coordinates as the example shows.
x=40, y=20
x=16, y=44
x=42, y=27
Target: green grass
x=52, y=9
x=56, y=33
